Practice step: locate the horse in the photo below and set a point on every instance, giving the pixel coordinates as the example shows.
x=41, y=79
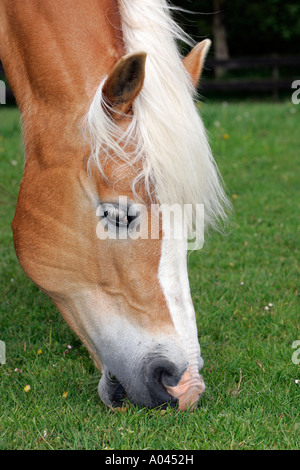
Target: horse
x=108, y=111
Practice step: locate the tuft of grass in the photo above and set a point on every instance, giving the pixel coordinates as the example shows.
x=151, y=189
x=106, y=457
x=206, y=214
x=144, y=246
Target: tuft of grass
x=246, y=294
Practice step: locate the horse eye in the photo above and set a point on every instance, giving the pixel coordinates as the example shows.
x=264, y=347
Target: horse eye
x=120, y=218
x=116, y=216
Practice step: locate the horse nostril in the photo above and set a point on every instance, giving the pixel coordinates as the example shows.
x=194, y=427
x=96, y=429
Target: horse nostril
x=163, y=372
x=160, y=373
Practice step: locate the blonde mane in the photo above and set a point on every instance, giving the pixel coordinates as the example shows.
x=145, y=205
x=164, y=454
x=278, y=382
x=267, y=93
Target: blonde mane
x=168, y=134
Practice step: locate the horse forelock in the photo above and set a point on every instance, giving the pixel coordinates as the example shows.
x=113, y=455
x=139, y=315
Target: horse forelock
x=171, y=149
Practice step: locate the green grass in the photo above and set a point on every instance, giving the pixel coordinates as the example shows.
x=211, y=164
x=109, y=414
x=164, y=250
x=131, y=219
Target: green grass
x=252, y=401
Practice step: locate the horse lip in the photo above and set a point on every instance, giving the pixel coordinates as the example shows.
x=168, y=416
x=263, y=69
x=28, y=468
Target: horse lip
x=188, y=391
x=111, y=391
x=117, y=390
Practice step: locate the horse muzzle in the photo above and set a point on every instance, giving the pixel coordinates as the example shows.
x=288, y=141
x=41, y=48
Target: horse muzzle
x=159, y=383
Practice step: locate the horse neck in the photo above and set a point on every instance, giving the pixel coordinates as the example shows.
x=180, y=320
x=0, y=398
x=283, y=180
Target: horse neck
x=54, y=55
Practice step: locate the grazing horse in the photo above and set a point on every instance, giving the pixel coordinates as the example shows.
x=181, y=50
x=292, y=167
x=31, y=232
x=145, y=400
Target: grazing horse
x=108, y=115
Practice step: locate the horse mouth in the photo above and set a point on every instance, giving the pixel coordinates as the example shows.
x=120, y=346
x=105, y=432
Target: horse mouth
x=116, y=391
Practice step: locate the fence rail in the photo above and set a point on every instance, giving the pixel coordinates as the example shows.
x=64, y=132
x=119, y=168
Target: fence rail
x=247, y=62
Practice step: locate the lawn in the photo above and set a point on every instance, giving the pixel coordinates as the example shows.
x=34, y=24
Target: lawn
x=245, y=287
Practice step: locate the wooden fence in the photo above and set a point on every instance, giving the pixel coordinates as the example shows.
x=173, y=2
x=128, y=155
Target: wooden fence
x=272, y=83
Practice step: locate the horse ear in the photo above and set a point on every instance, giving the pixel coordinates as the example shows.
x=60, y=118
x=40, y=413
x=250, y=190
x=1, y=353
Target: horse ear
x=124, y=83
x=194, y=61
